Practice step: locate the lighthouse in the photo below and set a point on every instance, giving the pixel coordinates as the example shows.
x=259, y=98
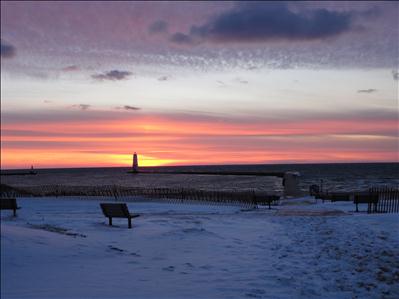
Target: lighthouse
x=135, y=166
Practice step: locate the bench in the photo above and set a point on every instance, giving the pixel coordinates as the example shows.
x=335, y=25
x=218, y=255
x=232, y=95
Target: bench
x=368, y=198
x=117, y=210
x=339, y=196
x=334, y=196
x=263, y=199
x=9, y=204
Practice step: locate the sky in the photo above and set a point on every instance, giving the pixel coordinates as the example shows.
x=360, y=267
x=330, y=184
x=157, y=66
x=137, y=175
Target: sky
x=86, y=84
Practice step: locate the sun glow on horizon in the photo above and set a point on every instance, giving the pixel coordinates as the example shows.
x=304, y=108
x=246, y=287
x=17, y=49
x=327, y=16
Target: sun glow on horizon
x=163, y=140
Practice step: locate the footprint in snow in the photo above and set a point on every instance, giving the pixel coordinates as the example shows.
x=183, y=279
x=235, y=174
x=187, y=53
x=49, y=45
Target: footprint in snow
x=256, y=293
x=115, y=248
x=170, y=268
x=206, y=267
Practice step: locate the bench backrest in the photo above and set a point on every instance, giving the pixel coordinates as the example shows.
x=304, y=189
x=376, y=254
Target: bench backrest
x=365, y=198
x=339, y=196
x=8, y=203
x=115, y=210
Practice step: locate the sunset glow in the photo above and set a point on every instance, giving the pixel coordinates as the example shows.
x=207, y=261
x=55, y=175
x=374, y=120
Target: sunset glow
x=77, y=92
x=166, y=141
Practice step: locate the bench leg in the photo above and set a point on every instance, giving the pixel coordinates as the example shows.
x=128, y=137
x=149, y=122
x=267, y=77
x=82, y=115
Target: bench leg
x=130, y=222
x=110, y=221
x=15, y=212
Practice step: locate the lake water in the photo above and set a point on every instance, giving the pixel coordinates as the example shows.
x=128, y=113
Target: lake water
x=334, y=177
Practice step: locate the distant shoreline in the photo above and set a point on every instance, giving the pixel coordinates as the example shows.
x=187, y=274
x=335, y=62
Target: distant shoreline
x=200, y=166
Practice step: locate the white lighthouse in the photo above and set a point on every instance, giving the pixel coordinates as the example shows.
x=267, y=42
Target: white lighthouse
x=135, y=167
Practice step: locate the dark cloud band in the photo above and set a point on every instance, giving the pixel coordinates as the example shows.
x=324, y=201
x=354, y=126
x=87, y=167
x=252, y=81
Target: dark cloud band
x=265, y=21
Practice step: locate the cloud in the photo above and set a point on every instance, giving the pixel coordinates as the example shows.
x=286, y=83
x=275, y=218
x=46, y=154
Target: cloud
x=395, y=75
x=221, y=83
x=82, y=106
x=113, y=75
x=163, y=78
x=242, y=81
x=182, y=39
x=158, y=27
x=127, y=107
x=266, y=21
x=7, y=50
x=370, y=90
x=371, y=12
x=71, y=68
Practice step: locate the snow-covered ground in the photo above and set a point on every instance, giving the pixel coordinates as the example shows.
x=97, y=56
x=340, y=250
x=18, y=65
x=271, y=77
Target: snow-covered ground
x=64, y=248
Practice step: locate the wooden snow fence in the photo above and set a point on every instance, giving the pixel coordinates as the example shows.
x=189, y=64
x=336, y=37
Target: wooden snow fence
x=246, y=198
x=388, y=199
x=379, y=200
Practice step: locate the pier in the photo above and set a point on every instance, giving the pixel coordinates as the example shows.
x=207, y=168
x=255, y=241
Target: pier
x=247, y=173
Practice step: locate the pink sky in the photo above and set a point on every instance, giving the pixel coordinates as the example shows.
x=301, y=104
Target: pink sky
x=87, y=84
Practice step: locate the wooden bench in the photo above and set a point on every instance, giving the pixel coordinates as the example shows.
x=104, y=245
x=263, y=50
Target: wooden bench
x=339, y=196
x=263, y=199
x=117, y=210
x=371, y=199
x=9, y=204
x=334, y=196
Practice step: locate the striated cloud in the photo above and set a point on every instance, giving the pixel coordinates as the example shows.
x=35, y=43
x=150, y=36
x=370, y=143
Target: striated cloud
x=158, y=27
x=127, y=107
x=242, y=81
x=7, y=50
x=113, y=75
x=71, y=68
x=82, y=106
x=266, y=21
x=370, y=90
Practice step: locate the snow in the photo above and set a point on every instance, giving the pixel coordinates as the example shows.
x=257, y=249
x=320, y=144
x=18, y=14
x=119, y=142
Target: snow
x=64, y=248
